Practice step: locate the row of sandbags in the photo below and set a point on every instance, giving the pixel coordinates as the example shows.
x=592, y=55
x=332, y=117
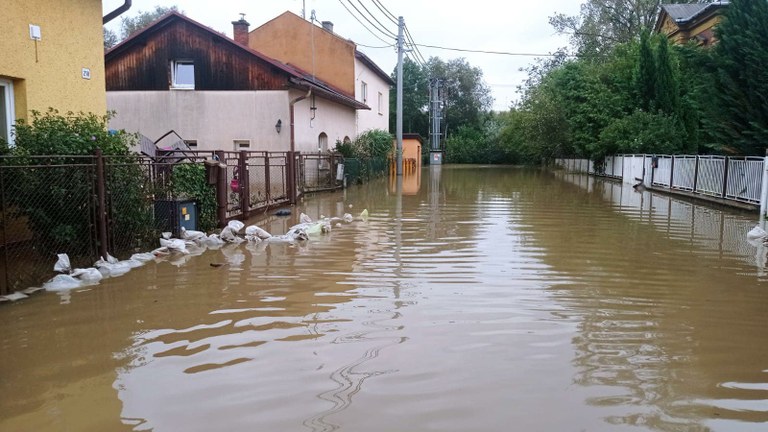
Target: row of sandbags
x=190, y=243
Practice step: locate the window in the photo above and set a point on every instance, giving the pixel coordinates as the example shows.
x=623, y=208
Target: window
x=7, y=114
x=322, y=143
x=364, y=91
x=182, y=74
x=381, y=103
x=242, y=145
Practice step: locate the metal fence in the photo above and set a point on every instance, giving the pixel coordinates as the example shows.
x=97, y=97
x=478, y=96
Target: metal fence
x=729, y=178
x=87, y=206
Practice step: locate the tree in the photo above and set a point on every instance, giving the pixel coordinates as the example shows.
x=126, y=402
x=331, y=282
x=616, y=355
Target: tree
x=666, y=82
x=645, y=78
x=415, y=99
x=603, y=24
x=130, y=25
x=467, y=97
x=741, y=85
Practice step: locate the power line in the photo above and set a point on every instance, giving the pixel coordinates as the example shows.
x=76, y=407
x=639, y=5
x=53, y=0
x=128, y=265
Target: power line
x=385, y=32
x=374, y=18
x=361, y=23
x=495, y=52
x=413, y=44
x=375, y=47
x=386, y=11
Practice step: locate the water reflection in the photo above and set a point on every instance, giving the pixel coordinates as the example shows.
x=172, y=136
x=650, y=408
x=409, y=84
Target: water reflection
x=490, y=297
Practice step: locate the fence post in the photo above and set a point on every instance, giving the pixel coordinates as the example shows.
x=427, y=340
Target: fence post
x=764, y=191
x=101, y=205
x=672, y=172
x=267, y=178
x=290, y=174
x=725, y=176
x=696, y=173
x=221, y=190
x=4, y=282
x=245, y=184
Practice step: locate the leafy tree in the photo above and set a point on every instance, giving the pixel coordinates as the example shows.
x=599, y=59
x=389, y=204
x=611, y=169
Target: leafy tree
x=132, y=24
x=643, y=132
x=415, y=99
x=604, y=24
x=466, y=96
x=741, y=85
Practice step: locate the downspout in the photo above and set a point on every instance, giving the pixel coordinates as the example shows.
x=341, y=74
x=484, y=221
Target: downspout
x=115, y=13
x=292, y=153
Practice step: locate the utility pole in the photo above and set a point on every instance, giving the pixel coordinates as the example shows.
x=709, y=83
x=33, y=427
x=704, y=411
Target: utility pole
x=399, y=121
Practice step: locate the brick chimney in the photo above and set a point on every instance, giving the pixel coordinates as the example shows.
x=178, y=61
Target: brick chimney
x=240, y=30
x=328, y=25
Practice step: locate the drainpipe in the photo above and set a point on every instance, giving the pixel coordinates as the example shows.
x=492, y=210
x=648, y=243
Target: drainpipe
x=292, y=153
x=115, y=13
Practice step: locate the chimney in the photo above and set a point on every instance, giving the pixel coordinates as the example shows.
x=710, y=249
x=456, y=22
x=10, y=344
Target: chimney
x=240, y=30
x=328, y=25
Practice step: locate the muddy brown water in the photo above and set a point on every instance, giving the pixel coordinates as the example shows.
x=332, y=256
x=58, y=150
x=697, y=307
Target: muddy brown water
x=479, y=299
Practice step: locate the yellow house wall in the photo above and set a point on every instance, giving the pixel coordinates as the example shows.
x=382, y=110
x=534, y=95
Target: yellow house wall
x=290, y=39
x=411, y=149
x=49, y=73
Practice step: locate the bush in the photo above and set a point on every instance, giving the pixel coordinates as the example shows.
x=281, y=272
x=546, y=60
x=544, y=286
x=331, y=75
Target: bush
x=643, y=132
x=373, y=144
x=55, y=195
x=190, y=181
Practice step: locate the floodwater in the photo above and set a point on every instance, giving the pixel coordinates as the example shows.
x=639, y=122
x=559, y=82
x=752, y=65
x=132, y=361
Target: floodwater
x=479, y=299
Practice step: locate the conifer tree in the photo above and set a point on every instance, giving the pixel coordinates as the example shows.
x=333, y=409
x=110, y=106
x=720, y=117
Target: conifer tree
x=667, y=90
x=645, y=78
x=742, y=82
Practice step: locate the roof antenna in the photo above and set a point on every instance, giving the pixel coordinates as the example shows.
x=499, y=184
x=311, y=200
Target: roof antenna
x=242, y=16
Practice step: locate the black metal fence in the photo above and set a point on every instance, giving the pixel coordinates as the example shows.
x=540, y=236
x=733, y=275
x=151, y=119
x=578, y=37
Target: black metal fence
x=87, y=206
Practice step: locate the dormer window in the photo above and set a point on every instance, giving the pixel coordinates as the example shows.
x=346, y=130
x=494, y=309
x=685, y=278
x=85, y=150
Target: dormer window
x=182, y=74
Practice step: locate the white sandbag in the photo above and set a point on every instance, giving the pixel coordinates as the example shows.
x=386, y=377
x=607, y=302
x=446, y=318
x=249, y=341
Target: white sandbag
x=235, y=226
x=174, y=244
x=364, y=215
x=254, y=230
x=347, y=218
x=213, y=240
x=192, y=235
x=166, y=235
x=228, y=235
x=62, y=282
x=160, y=252
x=757, y=233
x=14, y=296
x=253, y=238
x=303, y=218
x=143, y=257
x=62, y=265
x=88, y=276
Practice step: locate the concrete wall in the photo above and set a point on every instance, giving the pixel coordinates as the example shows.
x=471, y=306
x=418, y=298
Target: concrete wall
x=335, y=120
x=291, y=39
x=214, y=118
x=48, y=73
x=378, y=116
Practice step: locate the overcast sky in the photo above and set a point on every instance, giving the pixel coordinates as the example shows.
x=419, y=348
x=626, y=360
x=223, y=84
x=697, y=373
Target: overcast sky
x=489, y=25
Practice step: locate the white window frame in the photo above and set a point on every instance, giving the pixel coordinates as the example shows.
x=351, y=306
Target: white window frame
x=10, y=115
x=364, y=91
x=184, y=86
x=381, y=103
x=242, y=144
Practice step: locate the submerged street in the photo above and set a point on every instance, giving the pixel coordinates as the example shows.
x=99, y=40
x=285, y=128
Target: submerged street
x=477, y=299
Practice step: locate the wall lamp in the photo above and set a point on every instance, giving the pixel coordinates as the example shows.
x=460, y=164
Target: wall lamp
x=278, y=125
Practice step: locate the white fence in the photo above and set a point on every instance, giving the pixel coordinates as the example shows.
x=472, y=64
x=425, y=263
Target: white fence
x=729, y=178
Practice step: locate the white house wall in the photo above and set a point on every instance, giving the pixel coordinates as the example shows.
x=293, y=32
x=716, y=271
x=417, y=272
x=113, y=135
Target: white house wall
x=335, y=120
x=215, y=119
x=373, y=119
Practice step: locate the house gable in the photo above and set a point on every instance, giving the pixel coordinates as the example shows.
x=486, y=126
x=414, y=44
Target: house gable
x=144, y=61
x=296, y=41
x=690, y=22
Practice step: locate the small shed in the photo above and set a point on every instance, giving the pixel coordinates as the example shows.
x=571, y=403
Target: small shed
x=412, y=143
